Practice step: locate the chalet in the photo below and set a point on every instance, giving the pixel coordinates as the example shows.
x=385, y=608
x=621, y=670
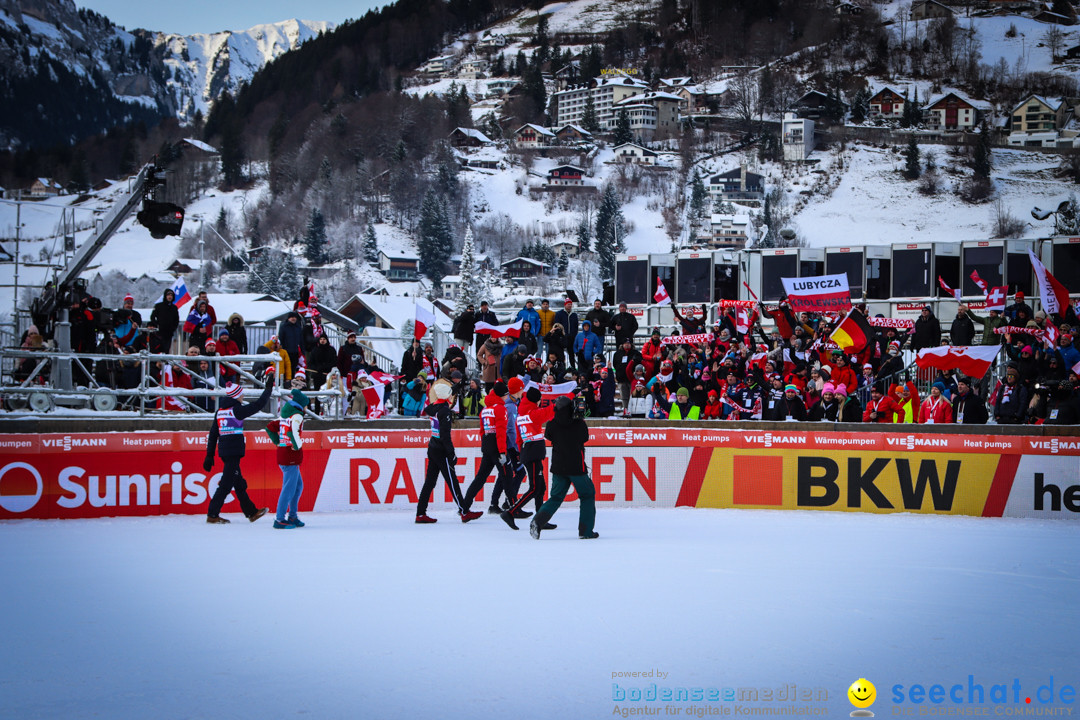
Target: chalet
x=533, y=136
x=45, y=187
x=439, y=65
x=399, y=265
x=472, y=69
x=954, y=111
x=490, y=42
x=737, y=185
x=501, y=86
x=633, y=153
x=1053, y=18
x=848, y=8
x=450, y=285
x=522, y=268
x=727, y=231
x=671, y=85
x=887, y=103
x=566, y=176
x=816, y=105
x=1035, y=122
x=927, y=9
x=567, y=75
x=468, y=138
x=1073, y=53
x=570, y=133
x=184, y=266
x=480, y=260
x=567, y=247
x=797, y=137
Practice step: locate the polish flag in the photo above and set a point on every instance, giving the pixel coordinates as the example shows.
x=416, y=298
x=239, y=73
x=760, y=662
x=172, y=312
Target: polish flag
x=945, y=286
x=979, y=281
x=511, y=330
x=424, y=319
x=1054, y=296
x=973, y=361
x=995, y=299
x=551, y=392
x=661, y=297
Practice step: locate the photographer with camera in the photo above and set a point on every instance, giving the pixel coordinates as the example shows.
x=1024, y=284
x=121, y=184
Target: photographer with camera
x=568, y=434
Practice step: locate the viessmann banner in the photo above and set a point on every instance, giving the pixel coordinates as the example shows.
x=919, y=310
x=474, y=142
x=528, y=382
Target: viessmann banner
x=157, y=473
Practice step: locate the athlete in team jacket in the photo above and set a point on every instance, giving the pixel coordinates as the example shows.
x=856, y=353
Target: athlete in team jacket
x=227, y=435
x=530, y=425
x=493, y=447
x=441, y=457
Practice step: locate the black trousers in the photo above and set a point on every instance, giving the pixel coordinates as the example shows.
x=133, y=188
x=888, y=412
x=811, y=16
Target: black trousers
x=537, y=486
x=438, y=464
x=231, y=481
x=489, y=462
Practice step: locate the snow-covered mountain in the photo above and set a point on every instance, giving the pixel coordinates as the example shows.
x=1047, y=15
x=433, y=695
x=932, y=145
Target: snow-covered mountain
x=80, y=73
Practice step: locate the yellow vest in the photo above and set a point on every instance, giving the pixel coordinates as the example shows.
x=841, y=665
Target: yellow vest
x=676, y=412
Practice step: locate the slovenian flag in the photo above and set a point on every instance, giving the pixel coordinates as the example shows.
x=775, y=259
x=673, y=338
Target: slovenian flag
x=853, y=333
x=180, y=292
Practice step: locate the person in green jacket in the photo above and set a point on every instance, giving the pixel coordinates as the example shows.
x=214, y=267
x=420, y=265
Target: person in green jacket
x=990, y=324
x=682, y=408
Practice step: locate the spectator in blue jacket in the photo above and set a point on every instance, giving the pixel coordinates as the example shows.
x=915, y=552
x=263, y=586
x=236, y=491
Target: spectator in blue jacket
x=586, y=345
x=530, y=314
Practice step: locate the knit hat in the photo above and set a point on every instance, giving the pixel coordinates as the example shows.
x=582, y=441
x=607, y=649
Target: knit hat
x=1032, y=325
x=422, y=374
x=301, y=373
x=1027, y=349
x=500, y=389
x=940, y=386
x=273, y=338
x=568, y=301
x=351, y=334
x=211, y=344
x=867, y=365
x=234, y=391
x=714, y=394
x=828, y=388
x=223, y=333
x=792, y=388
x=1040, y=315
x=515, y=385
x=443, y=391
x=639, y=368
x=1019, y=294
x=682, y=392
x=841, y=390
x=130, y=297
x=533, y=395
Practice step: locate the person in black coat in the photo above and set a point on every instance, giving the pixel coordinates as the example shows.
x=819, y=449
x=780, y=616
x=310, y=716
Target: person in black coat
x=227, y=436
x=962, y=331
x=1011, y=399
x=291, y=336
x=455, y=359
x=412, y=362
x=349, y=354
x=527, y=339
x=165, y=318
x=568, y=434
x=487, y=316
x=238, y=333
x=557, y=342
x=599, y=318
x=927, y=331
x=623, y=325
x=442, y=457
x=321, y=359
x=569, y=321
x=464, y=325
x=968, y=408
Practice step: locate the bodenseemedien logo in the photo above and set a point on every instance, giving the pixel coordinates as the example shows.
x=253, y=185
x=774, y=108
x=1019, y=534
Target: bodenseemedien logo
x=862, y=694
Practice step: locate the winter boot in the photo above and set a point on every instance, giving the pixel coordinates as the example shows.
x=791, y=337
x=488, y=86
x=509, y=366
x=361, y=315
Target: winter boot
x=587, y=534
x=215, y=520
x=258, y=514
x=425, y=520
x=494, y=510
x=538, y=522
x=522, y=514
x=508, y=519
x=548, y=526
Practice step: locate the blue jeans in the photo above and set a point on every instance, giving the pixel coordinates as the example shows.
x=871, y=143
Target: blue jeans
x=291, y=487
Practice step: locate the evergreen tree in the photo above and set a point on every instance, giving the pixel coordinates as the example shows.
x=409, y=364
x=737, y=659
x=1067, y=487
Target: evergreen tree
x=905, y=116
x=623, y=134
x=564, y=262
x=435, y=237
x=584, y=237
x=540, y=40
x=473, y=288
x=289, y=281
x=520, y=63
x=232, y=155
x=315, y=239
x=592, y=62
x=912, y=168
x=371, y=246
x=609, y=232
x=222, y=223
x=767, y=235
x=860, y=105
x=589, y=120
x=981, y=161
x=498, y=68
x=697, y=195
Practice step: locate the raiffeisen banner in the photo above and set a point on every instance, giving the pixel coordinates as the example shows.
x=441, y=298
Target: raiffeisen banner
x=86, y=475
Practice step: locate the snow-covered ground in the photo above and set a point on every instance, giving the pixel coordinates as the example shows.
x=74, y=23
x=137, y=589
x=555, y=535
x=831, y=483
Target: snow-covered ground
x=370, y=616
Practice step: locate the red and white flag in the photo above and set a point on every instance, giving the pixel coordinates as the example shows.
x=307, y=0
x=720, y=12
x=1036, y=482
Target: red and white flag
x=1051, y=333
x=511, y=330
x=995, y=299
x=979, y=281
x=1076, y=368
x=1054, y=296
x=169, y=402
x=661, y=297
x=375, y=396
x=424, y=320
x=818, y=294
x=973, y=361
x=742, y=321
x=945, y=286
x=551, y=392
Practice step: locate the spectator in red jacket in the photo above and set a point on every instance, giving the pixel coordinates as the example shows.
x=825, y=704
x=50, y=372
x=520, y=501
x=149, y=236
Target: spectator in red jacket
x=881, y=408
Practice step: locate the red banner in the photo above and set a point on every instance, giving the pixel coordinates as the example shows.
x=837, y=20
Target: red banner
x=696, y=339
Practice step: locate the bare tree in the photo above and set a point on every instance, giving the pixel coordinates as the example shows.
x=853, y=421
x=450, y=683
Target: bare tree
x=1054, y=39
x=746, y=96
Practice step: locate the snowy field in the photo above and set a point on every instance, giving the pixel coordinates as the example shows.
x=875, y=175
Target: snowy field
x=370, y=616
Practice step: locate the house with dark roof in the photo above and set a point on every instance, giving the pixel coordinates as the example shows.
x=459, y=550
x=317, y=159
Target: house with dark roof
x=737, y=185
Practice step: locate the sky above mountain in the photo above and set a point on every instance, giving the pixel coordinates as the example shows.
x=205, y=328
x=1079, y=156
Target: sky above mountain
x=209, y=16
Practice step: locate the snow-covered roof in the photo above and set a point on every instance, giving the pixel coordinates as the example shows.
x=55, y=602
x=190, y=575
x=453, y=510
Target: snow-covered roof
x=644, y=150
x=399, y=254
x=473, y=133
x=395, y=310
x=200, y=145
x=677, y=81
x=619, y=79
x=451, y=279
x=574, y=127
x=1052, y=104
x=254, y=307
x=978, y=104
x=539, y=130
x=719, y=219
x=530, y=261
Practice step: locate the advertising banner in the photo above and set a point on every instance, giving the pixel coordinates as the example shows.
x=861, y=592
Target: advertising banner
x=86, y=475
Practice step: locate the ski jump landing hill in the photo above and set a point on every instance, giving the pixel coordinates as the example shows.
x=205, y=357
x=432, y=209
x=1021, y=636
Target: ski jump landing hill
x=55, y=469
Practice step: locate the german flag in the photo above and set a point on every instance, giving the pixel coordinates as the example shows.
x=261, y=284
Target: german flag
x=854, y=333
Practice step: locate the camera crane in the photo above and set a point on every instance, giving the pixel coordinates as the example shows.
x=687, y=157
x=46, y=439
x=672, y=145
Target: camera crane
x=52, y=306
